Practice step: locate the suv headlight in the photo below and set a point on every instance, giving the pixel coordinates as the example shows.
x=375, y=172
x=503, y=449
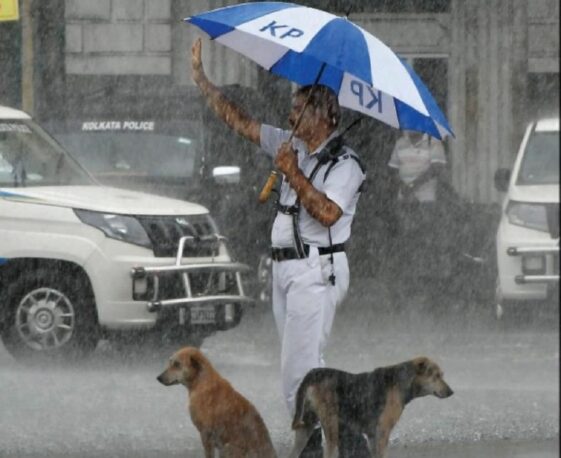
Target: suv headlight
x=119, y=227
x=533, y=216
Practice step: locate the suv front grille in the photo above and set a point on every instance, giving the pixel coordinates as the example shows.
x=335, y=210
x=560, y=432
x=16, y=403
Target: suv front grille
x=164, y=233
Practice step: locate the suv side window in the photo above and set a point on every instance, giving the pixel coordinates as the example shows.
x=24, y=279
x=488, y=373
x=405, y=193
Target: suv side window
x=541, y=160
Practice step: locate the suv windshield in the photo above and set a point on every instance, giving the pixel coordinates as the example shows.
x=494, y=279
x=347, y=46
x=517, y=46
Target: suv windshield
x=541, y=160
x=134, y=148
x=30, y=157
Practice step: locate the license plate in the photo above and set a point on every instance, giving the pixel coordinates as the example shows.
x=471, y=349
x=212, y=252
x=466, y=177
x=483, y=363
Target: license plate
x=202, y=314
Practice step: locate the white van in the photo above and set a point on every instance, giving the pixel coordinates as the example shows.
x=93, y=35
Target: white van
x=78, y=258
x=528, y=234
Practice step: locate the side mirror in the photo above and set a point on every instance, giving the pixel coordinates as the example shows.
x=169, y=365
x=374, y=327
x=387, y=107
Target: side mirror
x=226, y=174
x=502, y=178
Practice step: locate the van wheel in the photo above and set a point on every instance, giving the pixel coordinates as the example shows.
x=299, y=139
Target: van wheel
x=49, y=314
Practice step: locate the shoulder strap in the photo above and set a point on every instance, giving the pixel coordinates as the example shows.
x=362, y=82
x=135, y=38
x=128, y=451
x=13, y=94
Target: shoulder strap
x=362, y=186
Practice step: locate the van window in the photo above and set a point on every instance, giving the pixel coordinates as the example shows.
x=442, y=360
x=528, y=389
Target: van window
x=150, y=149
x=540, y=164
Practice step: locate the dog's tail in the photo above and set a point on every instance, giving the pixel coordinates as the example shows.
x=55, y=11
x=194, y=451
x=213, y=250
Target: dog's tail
x=298, y=420
x=301, y=412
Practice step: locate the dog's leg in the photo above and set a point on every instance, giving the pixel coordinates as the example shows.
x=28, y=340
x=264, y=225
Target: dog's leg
x=301, y=436
x=330, y=425
x=230, y=451
x=327, y=412
x=372, y=445
x=208, y=445
x=377, y=444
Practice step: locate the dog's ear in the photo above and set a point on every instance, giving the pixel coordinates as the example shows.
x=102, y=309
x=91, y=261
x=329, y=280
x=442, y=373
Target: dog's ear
x=421, y=365
x=195, y=363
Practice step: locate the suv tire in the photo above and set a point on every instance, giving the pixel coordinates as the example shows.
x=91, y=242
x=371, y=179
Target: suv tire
x=49, y=314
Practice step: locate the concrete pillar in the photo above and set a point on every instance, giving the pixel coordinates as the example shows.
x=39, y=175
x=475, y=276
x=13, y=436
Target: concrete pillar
x=487, y=82
x=456, y=91
x=519, y=81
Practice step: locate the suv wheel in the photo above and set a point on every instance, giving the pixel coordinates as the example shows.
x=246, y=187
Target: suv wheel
x=48, y=314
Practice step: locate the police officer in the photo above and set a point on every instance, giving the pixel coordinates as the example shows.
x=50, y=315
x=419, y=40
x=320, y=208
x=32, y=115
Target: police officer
x=317, y=202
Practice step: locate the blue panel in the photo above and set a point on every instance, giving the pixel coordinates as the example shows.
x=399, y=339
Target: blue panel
x=428, y=99
x=223, y=20
x=411, y=119
x=3, y=261
x=213, y=29
x=304, y=70
x=342, y=45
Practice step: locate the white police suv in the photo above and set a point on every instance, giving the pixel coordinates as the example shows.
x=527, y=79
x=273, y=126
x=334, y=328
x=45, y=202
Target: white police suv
x=78, y=259
x=528, y=234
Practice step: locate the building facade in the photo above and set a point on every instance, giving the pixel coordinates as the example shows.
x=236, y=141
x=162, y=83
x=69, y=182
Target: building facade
x=491, y=64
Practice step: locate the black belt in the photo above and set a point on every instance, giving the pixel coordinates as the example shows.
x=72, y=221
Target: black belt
x=286, y=254
x=288, y=209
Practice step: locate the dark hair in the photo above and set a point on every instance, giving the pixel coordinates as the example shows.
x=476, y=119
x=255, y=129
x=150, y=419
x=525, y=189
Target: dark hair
x=322, y=98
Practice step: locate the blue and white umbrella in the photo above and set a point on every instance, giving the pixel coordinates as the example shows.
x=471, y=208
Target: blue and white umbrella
x=299, y=43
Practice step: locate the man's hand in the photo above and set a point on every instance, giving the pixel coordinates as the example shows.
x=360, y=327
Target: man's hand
x=197, y=63
x=286, y=159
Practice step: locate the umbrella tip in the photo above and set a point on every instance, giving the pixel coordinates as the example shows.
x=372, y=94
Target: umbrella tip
x=348, y=12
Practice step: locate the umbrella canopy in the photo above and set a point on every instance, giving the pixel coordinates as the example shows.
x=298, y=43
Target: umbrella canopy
x=299, y=43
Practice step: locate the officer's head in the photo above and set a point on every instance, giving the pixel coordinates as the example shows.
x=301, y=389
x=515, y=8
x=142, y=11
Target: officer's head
x=322, y=109
x=414, y=136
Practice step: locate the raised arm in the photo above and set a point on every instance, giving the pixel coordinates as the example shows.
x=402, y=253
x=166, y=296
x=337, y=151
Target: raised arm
x=224, y=108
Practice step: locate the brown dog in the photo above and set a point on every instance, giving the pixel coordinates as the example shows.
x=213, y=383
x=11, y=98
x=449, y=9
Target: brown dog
x=369, y=403
x=225, y=419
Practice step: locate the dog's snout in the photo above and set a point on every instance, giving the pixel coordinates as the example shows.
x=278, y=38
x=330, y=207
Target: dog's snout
x=167, y=378
x=445, y=392
x=163, y=379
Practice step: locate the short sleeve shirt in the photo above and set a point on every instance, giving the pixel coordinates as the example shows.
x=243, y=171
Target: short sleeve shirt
x=341, y=186
x=414, y=159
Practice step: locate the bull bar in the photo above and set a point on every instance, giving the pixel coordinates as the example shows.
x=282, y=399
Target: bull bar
x=154, y=304
x=552, y=251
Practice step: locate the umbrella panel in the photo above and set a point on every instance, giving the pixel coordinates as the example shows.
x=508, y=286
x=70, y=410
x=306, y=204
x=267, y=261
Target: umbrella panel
x=384, y=87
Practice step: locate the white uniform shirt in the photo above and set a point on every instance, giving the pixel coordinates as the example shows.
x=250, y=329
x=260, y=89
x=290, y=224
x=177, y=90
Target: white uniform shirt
x=341, y=186
x=414, y=159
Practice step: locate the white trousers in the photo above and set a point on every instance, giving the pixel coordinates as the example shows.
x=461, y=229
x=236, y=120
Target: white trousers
x=304, y=303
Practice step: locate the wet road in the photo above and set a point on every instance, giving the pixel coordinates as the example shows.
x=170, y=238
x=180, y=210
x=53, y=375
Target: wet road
x=505, y=376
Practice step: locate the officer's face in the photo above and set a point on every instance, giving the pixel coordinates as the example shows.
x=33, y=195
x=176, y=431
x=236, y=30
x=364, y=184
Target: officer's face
x=415, y=137
x=309, y=120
